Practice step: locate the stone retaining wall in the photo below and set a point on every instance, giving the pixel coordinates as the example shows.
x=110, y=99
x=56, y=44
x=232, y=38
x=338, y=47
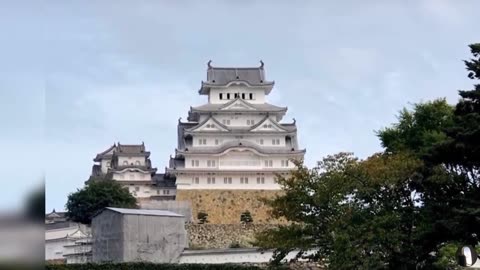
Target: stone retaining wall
x=209, y=236
x=226, y=206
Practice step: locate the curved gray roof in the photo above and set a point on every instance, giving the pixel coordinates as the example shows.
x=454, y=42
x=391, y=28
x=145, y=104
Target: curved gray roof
x=240, y=144
x=222, y=76
x=265, y=107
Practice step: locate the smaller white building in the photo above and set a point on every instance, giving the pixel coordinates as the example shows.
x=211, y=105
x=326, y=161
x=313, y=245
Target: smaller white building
x=130, y=165
x=58, y=241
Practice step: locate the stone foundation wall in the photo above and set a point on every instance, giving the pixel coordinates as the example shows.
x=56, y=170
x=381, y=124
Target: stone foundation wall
x=209, y=236
x=226, y=206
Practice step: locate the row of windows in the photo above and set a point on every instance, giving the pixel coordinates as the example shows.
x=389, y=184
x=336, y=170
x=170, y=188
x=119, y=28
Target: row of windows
x=131, y=176
x=235, y=95
x=203, y=141
x=228, y=180
x=125, y=163
x=164, y=191
x=210, y=163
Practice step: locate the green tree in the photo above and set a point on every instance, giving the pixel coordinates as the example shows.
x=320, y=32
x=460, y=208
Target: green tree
x=202, y=217
x=84, y=203
x=420, y=129
x=460, y=156
x=246, y=217
x=357, y=214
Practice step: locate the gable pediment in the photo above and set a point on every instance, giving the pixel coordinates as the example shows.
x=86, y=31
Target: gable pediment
x=238, y=104
x=210, y=125
x=267, y=125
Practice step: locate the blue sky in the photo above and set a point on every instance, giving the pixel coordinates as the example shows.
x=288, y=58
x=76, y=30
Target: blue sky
x=77, y=76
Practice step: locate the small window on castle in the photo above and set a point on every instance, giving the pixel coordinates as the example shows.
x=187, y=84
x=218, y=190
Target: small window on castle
x=243, y=180
x=220, y=96
x=243, y=95
x=251, y=95
x=211, y=180
x=260, y=180
x=197, y=180
x=261, y=141
x=228, y=95
x=227, y=180
x=137, y=188
x=158, y=191
x=236, y=95
x=248, y=122
x=216, y=141
x=166, y=192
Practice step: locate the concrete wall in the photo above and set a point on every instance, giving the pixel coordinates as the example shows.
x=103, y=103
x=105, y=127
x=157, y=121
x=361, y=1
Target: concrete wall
x=107, y=230
x=133, y=238
x=180, y=207
x=153, y=238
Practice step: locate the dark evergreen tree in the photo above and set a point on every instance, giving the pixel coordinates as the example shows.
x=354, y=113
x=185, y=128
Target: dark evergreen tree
x=84, y=203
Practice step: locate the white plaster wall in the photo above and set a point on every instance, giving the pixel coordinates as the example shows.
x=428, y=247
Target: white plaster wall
x=189, y=182
x=227, y=137
x=132, y=176
x=232, y=256
x=238, y=160
x=131, y=160
x=238, y=120
x=55, y=250
x=105, y=164
x=144, y=191
x=160, y=192
x=258, y=94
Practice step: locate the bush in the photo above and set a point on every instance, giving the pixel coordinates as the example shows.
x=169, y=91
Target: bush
x=202, y=217
x=149, y=266
x=246, y=217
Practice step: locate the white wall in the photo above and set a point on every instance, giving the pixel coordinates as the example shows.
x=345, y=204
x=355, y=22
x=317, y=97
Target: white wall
x=231, y=256
x=132, y=176
x=55, y=250
x=238, y=160
x=258, y=94
x=189, y=181
x=140, y=191
x=131, y=160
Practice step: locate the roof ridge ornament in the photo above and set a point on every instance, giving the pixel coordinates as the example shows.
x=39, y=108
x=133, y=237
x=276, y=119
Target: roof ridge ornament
x=209, y=64
x=261, y=64
x=294, y=121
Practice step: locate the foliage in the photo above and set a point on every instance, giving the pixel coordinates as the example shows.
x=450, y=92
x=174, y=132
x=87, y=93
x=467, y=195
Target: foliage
x=459, y=155
x=246, y=217
x=235, y=245
x=358, y=214
x=148, y=266
x=202, y=217
x=420, y=129
x=84, y=203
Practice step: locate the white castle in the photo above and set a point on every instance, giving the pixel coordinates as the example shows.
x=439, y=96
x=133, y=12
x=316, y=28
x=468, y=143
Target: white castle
x=234, y=142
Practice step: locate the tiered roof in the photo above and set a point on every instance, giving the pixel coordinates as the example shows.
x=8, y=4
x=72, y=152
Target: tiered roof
x=224, y=76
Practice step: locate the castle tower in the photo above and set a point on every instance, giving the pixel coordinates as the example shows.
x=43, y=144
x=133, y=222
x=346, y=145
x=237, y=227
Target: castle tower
x=130, y=165
x=230, y=149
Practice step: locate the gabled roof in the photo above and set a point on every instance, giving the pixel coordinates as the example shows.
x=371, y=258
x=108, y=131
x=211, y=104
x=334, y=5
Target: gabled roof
x=130, y=148
x=222, y=76
x=241, y=144
x=212, y=119
x=106, y=153
x=122, y=149
x=266, y=120
x=265, y=107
